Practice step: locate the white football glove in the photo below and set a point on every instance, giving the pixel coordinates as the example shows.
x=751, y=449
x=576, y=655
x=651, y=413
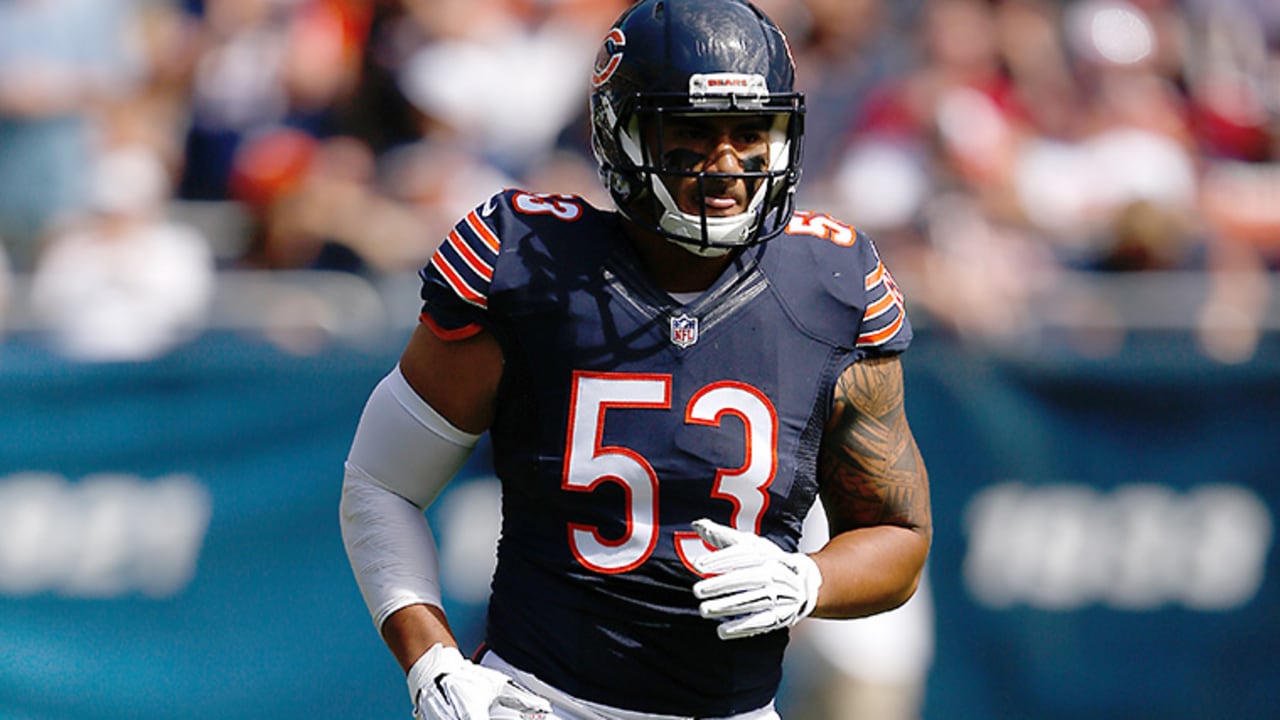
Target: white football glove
x=756, y=585
x=445, y=685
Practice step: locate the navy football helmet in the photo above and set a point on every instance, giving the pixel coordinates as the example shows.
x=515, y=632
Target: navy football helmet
x=672, y=58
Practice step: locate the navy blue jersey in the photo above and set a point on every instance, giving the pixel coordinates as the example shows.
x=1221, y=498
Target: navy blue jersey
x=624, y=415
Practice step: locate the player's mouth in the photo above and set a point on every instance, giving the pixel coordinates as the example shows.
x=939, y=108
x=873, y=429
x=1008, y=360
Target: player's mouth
x=722, y=204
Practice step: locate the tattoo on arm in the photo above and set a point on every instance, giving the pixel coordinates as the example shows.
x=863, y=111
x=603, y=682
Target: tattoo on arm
x=869, y=468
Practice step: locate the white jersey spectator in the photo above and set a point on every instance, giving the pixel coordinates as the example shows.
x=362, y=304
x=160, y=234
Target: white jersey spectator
x=126, y=284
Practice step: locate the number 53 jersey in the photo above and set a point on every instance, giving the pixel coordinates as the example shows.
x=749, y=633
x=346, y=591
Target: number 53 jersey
x=623, y=415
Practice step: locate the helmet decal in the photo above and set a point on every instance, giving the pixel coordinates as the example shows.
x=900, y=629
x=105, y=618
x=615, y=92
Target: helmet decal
x=610, y=56
x=728, y=89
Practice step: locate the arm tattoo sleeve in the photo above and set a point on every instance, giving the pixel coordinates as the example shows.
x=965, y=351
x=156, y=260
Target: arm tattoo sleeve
x=869, y=468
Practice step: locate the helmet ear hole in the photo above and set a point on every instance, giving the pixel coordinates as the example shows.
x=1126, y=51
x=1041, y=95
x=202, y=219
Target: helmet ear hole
x=655, y=61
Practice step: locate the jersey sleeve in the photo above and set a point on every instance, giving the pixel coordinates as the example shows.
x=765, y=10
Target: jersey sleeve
x=456, y=282
x=885, y=329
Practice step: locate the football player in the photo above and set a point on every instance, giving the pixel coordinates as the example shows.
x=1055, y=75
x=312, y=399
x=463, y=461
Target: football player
x=667, y=385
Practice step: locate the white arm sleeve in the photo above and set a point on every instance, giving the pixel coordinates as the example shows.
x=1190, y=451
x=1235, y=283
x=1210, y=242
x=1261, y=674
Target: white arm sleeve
x=403, y=455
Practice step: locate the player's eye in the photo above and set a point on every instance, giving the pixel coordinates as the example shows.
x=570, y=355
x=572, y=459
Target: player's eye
x=689, y=134
x=681, y=159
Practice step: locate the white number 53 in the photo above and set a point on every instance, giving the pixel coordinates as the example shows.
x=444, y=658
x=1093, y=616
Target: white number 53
x=589, y=463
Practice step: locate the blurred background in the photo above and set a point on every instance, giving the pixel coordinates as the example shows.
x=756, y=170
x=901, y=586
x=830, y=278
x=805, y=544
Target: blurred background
x=211, y=217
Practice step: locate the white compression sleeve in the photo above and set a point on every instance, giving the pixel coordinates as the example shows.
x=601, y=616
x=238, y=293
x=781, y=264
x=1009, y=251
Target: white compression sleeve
x=403, y=455
x=405, y=445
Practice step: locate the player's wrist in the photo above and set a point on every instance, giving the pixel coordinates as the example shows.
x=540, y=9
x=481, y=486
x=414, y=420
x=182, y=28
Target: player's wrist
x=439, y=659
x=811, y=576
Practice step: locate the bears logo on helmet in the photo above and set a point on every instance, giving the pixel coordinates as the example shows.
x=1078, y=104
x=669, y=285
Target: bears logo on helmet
x=610, y=56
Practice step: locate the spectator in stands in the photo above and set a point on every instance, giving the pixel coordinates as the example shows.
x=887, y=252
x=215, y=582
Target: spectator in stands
x=261, y=64
x=434, y=181
x=848, y=49
x=501, y=83
x=124, y=284
x=1131, y=160
x=58, y=60
x=327, y=205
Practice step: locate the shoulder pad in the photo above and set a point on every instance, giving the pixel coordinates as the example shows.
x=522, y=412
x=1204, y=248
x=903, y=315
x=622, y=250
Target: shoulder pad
x=501, y=242
x=833, y=284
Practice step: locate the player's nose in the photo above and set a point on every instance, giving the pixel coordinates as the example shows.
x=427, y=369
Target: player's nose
x=724, y=156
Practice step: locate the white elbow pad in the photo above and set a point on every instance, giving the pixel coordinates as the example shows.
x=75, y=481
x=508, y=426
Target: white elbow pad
x=403, y=455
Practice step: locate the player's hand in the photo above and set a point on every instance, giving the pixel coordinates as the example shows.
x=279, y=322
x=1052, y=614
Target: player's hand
x=756, y=586
x=446, y=686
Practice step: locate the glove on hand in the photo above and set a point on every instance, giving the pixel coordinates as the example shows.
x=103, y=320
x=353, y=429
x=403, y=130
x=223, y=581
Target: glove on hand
x=756, y=585
x=446, y=686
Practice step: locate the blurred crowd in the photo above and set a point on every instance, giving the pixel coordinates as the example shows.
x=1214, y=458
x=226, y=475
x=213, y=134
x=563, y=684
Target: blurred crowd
x=990, y=146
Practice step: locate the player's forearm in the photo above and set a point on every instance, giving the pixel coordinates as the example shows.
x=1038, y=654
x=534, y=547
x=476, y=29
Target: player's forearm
x=870, y=570
x=411, y=631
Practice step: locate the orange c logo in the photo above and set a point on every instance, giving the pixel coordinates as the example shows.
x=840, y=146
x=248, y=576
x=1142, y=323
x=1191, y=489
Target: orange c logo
x=610, y=57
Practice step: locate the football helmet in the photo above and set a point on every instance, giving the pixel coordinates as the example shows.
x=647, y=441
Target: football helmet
x=665, y=59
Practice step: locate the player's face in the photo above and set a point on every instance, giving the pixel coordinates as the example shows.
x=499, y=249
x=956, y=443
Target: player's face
x=713, y=144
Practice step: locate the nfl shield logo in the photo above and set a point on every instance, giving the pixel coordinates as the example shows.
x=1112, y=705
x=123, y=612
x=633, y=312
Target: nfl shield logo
x=684, y=330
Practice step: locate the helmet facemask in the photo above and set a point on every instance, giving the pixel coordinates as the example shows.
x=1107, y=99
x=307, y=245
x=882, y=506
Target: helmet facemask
x=638, y=180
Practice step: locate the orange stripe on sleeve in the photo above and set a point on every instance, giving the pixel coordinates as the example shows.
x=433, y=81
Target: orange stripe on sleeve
x=879, y=337
x=474, y=261
x=880, y=306
x=875, y=276
x=464, y=291
x=487, y=235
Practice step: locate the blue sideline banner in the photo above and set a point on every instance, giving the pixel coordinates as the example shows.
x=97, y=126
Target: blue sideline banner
x=169, y=544
x=1104, y=533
